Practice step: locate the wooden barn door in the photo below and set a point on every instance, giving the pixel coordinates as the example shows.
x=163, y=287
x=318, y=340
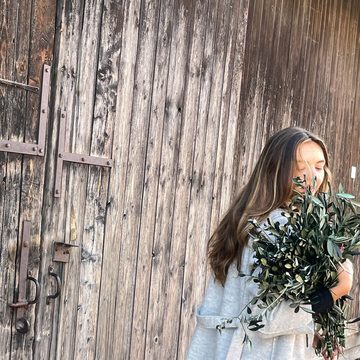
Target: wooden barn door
x=79, y=210
x=56, y=138
x=26, y=50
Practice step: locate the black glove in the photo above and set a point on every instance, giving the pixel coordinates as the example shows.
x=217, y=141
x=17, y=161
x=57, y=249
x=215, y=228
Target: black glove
x=321, y=300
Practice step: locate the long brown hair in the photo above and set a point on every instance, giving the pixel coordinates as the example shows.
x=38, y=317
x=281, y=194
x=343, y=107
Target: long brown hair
x=268, y=188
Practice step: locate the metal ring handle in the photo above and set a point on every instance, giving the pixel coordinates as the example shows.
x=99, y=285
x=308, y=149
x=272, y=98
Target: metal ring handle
x=37, y=287
x=58, y=285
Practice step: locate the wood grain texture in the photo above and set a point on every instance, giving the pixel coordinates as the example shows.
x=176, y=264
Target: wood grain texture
x=182, y=95
x=33, y=174
x=106, y=105
x=113, y=281
x=174, y=178
x=151, y=179
x=171, y=256
x=80, y=283
x=53, y=225
x=32, y=44
x=97, y=201
x=10, y=175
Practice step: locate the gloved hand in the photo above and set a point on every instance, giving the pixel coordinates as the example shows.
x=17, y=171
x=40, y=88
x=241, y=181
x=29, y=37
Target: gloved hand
x=321, y=300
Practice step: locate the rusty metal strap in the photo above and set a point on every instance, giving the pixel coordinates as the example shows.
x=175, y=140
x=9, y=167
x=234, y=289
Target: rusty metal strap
x=26, y=87
x=21, y=148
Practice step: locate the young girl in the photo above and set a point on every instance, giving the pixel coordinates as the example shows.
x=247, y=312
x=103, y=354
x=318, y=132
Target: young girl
x=289, y=153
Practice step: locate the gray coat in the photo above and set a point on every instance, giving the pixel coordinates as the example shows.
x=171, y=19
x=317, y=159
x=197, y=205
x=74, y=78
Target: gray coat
x=286, y=336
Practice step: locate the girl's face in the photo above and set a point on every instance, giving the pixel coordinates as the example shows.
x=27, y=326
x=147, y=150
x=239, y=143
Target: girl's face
x=310, y=161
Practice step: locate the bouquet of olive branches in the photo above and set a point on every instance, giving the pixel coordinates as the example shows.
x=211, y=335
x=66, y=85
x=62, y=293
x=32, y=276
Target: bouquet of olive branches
x=321, y=232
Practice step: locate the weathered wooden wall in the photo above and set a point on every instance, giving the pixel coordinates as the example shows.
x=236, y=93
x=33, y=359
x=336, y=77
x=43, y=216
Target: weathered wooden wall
x=26, y=41
x=302, y=67
x=182, y=95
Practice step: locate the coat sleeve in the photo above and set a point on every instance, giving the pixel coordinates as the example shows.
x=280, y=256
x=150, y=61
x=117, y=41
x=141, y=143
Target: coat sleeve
x=283, y=320
x=207, y=342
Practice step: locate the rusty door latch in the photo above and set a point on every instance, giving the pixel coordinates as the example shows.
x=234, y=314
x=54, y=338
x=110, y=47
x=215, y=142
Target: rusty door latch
x=62, y=251
x=22, y=325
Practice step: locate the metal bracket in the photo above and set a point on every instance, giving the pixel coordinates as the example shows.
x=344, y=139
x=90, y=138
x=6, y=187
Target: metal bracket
x=27, y=87
x=24, y=148
x=22, y=325
x=62, y=251
x=72, y=157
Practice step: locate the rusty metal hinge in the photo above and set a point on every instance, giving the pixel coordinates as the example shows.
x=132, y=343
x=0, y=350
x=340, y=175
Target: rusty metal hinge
x=72, y=157
x=24, y=148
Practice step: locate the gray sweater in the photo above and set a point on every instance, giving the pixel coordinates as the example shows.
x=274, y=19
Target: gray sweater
x=283, y=337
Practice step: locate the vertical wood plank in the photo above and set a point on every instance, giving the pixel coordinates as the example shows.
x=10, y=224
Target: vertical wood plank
x=279, y=72
x=81, y=116
x=15, y=29
x=220, y=95
x=10, y=166
x=105, y=118
x=250, y=107
x=165, y=333
x=117, y=284
x=97, y=200
x=151, y=180
x=33, y=173
x=228, y=118
x=296, y=61
x=54, y=221
x=201, y=186
x=349, y=70
x=230, y=182
x=159, y=337
x=138, y=143
x=53, y=224
x=355, y=148
x=336, y=134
